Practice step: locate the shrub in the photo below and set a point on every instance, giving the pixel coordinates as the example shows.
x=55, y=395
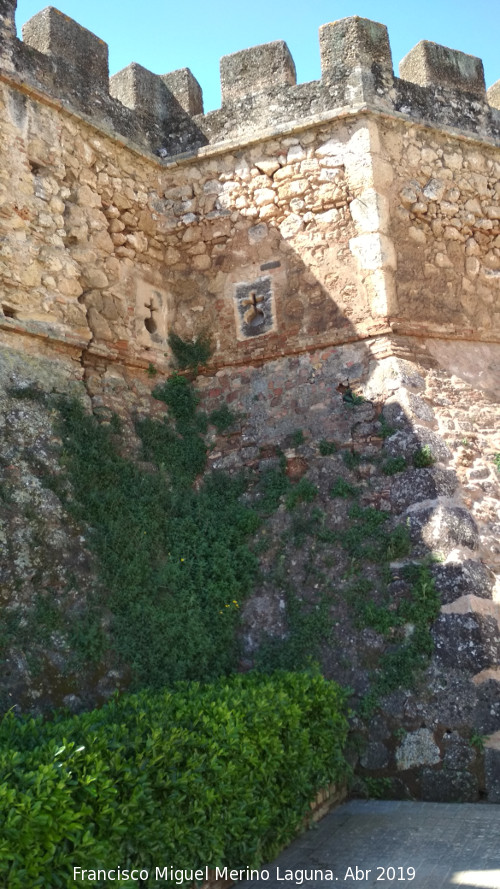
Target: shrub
x=393, y=465
x=173, y=560
x=203, y=775
x=351, y=459
x=341, y=488
x=303, y=492
x=326, y=448
x=223, y=418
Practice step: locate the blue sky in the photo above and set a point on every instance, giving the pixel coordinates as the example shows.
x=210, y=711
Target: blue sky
x=194, y=34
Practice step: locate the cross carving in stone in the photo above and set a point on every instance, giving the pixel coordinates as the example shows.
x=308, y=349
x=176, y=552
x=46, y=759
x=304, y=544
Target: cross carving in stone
x=254, y=314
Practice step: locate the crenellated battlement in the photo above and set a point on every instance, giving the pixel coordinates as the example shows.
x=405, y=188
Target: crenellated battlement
x=68, y=63
x=296, y=216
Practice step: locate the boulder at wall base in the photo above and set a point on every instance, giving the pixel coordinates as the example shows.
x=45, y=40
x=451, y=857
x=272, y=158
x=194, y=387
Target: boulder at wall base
x=375, y=756
x=448, y=786
x=492, y=773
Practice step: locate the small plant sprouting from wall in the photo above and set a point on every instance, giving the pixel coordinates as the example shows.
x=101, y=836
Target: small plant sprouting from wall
x=191, y=355
x=393, y=465
x=423, y=457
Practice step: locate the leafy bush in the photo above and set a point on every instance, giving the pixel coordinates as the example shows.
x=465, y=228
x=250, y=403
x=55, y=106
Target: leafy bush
x=366, y=537
x=297, y=438
x=326, y=448
x=386, y=430
x=204, y=775
x=351, y=459
x=341, y=488
x=272, y=485
x=175, y=561
x=303, y=492
x=223, y=418
x=401, y=665
x=393, y=465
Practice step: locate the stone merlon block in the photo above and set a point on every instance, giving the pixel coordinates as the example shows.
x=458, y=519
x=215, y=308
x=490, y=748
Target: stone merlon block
x=493, y=95
x=140, y=89
x=352, y=43
x=186, y=89
x=430, y=64
x=55, y=34
x=256, y=70
x=158, y=95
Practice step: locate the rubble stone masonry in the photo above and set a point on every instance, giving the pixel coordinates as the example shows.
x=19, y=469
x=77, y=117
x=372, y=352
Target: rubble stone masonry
x=344, y=231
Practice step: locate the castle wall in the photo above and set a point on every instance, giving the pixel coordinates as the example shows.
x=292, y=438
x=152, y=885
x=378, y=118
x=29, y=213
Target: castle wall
x=319, y=232
x=104, y=249
x=297, y=216
x=445, y=225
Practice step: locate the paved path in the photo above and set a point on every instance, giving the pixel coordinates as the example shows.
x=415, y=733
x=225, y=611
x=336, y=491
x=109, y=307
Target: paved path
x=447, y=844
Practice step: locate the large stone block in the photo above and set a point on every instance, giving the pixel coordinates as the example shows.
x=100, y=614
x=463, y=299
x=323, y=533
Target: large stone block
x=416, y=485
x=55, y=34
x=467, y=578
x=486, y=718
x=470, y=642
x=492, y=769
x=430, y=64
x=448, y=786
x=352, y=43
x=256, y=70
x=442, y=528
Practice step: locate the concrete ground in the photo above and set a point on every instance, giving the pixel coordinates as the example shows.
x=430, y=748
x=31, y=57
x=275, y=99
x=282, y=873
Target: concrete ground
x=384, y=843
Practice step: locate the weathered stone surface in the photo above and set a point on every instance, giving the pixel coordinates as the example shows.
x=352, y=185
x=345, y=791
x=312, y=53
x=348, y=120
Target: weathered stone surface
x=55, y=34
x=458, y=752
x=256, y=70
x=441, y=528
x=492, y=772
x=421, y=484
x=409, y=442
x=430, y=64
x=467, y=578
x=417, y=749
x=185, y=89
x=449, y=786
x=486, y=717
x=493, y=95
x=375, y=756
x=354, y=41
x=469, y=641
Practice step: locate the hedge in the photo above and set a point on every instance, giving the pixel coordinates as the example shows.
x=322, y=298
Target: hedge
x=202, y=775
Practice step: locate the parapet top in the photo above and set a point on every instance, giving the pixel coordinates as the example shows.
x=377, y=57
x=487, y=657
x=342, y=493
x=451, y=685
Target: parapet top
x=259, y=86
